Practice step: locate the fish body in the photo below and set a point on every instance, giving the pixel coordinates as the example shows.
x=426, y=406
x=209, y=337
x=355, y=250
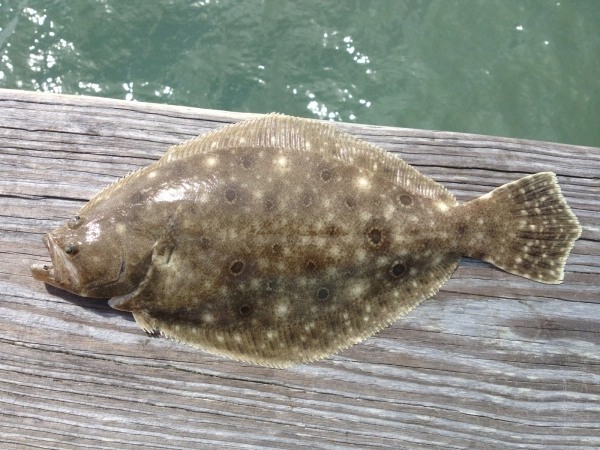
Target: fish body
x=281, y=240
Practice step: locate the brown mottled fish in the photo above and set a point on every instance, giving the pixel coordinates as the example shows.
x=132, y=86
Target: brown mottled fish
x=281, y=240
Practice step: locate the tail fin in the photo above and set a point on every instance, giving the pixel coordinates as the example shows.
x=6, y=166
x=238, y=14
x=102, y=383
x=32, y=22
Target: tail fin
x=524, y=227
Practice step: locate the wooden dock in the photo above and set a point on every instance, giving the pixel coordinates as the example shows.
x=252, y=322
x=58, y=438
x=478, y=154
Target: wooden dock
x=492, y=361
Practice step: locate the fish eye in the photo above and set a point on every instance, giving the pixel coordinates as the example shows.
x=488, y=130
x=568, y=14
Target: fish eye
x=74, y=222
x=71, y=249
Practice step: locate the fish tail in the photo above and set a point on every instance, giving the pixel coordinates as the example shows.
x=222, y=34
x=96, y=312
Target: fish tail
x=524, y=227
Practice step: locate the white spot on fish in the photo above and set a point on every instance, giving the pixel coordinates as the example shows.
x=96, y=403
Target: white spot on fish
x=208, y=318
x=311, y=325
x=358, y=289
x=382, y=261
x=282, y=308
x=442, y=206
x=388, y=212
x=361, y=254
x=363, y=183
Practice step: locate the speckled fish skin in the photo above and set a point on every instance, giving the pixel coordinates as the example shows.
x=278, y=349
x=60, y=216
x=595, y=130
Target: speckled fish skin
x=281, y=240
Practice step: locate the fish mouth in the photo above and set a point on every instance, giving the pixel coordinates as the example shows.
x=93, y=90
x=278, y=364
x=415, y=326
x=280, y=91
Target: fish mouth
x=43, y=272
x=60, y=273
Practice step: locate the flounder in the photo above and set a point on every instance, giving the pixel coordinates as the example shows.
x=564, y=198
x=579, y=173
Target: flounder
x=281, y=240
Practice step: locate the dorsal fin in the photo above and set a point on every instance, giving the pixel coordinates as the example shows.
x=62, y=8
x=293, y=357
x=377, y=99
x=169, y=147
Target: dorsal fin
x=296, y=134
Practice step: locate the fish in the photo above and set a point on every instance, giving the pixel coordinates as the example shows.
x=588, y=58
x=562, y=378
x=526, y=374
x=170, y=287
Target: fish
x=279, y=240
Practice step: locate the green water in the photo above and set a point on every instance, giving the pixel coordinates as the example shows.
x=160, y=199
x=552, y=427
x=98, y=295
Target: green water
x=517, y=68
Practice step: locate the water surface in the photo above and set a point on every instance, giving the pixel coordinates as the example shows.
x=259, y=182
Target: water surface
x=499, y=67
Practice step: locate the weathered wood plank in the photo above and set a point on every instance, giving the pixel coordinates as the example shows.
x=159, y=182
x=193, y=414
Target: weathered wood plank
x=493, y=361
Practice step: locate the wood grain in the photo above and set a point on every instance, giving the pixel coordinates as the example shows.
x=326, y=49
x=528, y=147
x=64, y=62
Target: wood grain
x=492, y=361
